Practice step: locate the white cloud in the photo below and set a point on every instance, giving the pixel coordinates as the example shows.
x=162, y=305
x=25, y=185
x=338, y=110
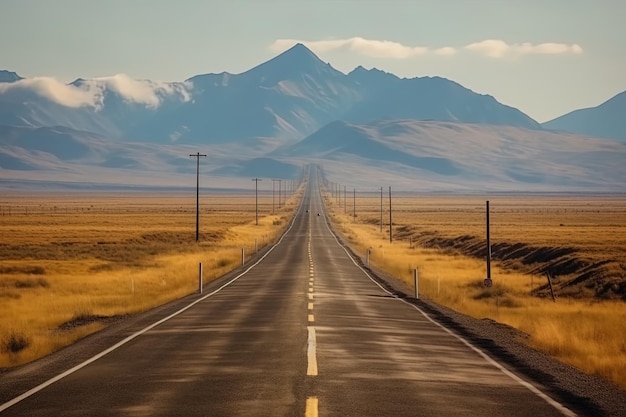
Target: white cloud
x=56, y=91
x=90, y=93
x=549, y=48
x=446, y=51
x=494, y=48
x=367, y=47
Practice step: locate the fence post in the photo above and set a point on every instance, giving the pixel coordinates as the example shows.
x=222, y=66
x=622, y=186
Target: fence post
x=200, y=277
x=415, y=279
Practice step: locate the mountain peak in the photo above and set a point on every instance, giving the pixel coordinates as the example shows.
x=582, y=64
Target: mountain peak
x=300, y=51
x=362, y=74
x=9, y=76
x=298, y=56
x=292, y=63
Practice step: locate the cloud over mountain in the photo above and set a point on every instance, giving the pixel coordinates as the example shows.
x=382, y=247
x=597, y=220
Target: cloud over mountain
x=367, y=47
x=91, y=93
x=494, y=48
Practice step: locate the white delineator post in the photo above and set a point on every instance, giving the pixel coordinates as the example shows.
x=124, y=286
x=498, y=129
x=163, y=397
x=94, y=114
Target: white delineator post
x=415, y=279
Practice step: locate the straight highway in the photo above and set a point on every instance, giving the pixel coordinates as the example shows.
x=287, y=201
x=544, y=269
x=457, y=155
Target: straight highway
x=303, y=332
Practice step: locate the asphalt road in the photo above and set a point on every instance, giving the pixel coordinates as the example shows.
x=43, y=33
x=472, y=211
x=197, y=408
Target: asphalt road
x=305, y=332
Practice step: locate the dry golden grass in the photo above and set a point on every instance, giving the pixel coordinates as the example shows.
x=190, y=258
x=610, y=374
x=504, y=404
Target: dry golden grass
x=588, y=334
x=71, y=263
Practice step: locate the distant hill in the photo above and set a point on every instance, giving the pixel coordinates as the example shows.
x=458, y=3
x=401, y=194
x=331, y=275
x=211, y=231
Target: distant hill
x=608, y=120
x=447, y=156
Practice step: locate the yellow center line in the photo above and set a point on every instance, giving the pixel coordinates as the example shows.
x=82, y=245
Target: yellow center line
x=311, y=407
x=311, y=353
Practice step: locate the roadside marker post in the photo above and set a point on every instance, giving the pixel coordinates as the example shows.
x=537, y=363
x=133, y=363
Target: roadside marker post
x=415, y=279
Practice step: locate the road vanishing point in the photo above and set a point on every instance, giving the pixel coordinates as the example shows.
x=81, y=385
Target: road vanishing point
x=303, y=331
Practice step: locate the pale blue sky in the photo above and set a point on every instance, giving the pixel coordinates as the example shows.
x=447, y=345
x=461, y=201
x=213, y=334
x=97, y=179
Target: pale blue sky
x=544, y=57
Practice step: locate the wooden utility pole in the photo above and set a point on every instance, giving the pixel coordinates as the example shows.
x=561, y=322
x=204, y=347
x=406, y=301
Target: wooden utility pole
x=390, y=222
x=197, y=156
x=354, y=204
x=381, y=209
x=256, y=197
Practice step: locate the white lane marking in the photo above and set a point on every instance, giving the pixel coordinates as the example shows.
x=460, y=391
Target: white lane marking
x=311, y=318
x=311, y=407
x=557, y=405
x=310, y=306
x=310, y=296
x=311, y=369
x=105, y=352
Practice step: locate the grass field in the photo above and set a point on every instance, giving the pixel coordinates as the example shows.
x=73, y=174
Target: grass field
x=444, y=238
x=70, y=264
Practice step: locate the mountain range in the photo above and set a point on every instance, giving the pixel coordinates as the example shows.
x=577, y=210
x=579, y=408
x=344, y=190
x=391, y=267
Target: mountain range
x=425, y=133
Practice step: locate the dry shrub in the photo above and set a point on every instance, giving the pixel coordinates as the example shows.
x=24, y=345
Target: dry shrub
x=25, y=269
x=222, y=262
x=31, y=283
x=14, y=342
